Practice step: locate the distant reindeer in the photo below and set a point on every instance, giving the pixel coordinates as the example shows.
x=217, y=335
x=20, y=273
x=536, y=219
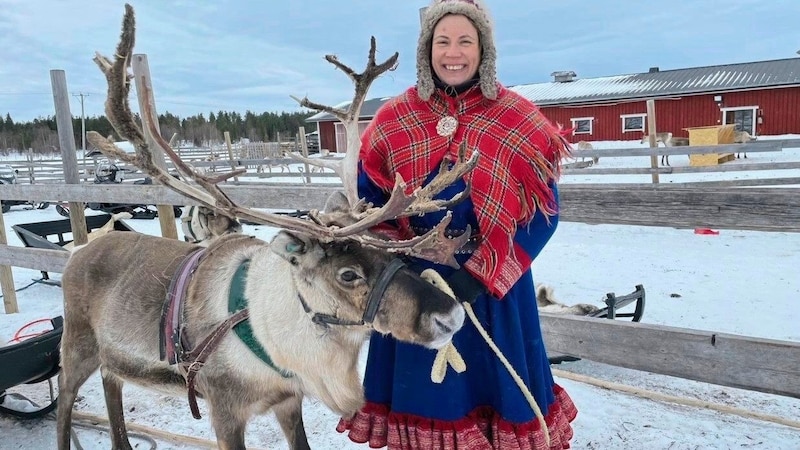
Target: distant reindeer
x=663, y=137
x=742, y=137
x=583, y=145
x=201, y=225
x=546, y=302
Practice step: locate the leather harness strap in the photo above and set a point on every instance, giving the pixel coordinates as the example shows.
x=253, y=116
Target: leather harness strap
x=197, y=357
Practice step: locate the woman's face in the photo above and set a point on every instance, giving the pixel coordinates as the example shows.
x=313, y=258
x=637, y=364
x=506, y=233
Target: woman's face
x=455, y=50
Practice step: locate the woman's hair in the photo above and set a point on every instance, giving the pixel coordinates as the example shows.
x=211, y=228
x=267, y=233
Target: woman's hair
x=476, y=11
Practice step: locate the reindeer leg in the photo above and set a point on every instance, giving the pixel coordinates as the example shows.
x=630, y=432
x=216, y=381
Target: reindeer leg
x=290, y=416
x=112, y=388
x=79, y=359
x=229, y=419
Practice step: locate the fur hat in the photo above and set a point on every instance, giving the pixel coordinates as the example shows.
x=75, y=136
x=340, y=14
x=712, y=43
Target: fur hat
x=476, y=11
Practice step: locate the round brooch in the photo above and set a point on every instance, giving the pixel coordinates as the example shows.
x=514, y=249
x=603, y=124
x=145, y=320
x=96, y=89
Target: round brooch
x=447, y=126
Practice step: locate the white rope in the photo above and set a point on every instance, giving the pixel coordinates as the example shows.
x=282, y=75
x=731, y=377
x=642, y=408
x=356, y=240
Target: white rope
x=449, y=354
x=675, y=399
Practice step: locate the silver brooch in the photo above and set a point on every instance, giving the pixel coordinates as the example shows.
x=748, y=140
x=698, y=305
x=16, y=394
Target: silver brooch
x=447, y=126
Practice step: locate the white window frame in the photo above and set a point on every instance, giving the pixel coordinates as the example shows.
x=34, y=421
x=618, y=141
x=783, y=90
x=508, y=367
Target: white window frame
x=724, y=110
x=575, y=131
x=633, y=130
x=341, y=135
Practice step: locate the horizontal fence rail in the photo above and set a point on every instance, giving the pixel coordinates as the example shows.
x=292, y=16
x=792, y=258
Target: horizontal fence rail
x=764, y=365
x=759, y=209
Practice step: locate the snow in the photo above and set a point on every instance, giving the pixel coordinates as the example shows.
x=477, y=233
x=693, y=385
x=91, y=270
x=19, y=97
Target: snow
x=739, y=282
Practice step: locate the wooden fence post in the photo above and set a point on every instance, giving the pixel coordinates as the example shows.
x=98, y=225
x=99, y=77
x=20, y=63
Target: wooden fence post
x=144, y=91
x=651, y=128
x=304, y=149
x=7, y=277
x=230, y=153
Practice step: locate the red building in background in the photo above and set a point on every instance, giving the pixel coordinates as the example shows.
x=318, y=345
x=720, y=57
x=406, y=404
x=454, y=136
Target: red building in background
x=762, y=98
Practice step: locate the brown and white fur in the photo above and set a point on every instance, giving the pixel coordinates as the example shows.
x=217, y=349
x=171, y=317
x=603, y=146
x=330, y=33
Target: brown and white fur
x=546, y=302
x=742, y=137
x=668, y=140
x=201, y=224
x=114, y=290
x=583, y=145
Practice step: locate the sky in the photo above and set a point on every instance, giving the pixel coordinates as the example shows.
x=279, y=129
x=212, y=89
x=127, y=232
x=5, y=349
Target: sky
x=738, y=282
x=241, y=55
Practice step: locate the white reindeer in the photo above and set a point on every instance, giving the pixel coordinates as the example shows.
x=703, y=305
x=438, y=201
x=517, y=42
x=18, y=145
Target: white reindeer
x=663, y=137
x=583, y=145
x=742, y=137
x=546, y=302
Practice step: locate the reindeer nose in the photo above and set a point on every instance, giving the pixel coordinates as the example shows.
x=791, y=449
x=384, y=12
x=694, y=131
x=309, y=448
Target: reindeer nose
x=442, y=326
x=448, y=323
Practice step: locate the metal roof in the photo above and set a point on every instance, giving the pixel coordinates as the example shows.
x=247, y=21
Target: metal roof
x=661, y=83
x=727, y=77
x=368, y=110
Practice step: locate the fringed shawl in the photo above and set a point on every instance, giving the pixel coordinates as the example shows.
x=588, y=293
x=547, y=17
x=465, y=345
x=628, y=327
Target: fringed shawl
x=520, y=153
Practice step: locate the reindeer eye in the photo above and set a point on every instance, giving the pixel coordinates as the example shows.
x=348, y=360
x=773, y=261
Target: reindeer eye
x=349, y=275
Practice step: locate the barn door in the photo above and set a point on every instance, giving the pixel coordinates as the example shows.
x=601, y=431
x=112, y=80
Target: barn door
x=744, y=119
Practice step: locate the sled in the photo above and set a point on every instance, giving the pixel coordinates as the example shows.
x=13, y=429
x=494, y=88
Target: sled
x=31, y=361
x=55, y=234
x=612, y=311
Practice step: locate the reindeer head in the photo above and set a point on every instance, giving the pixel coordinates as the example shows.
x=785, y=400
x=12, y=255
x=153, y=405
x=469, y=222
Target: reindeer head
x=370, y=287
x=332, y=251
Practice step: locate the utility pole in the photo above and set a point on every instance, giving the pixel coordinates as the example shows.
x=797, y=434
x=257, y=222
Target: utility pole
x=83, y=120
x=83, y=131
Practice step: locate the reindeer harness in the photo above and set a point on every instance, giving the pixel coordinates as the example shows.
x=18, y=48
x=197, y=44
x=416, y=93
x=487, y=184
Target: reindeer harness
x=174, y=346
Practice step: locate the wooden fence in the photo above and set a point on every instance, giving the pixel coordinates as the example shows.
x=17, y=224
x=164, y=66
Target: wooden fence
x=729, y=360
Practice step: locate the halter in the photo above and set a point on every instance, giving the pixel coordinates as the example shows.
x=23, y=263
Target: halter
x=373, y=301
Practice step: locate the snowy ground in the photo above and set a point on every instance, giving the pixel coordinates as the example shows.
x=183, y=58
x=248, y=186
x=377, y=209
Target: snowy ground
x=737, y=282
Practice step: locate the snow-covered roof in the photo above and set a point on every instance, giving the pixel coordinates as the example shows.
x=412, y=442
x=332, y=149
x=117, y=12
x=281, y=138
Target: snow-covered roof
x=708, y=79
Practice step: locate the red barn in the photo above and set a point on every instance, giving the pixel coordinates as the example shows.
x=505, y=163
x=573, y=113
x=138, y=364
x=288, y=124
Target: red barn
x=762, y=98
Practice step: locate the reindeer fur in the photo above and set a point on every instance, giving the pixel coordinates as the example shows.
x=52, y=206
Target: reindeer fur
x=114, y=290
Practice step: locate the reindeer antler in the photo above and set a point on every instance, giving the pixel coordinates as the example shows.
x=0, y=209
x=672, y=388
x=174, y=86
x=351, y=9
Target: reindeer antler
x=434, y=246
x=347, y=168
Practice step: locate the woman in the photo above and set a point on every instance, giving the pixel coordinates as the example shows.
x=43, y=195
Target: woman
x=512, y=210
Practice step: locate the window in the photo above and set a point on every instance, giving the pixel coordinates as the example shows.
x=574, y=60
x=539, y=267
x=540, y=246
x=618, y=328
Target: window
x=582, y=125
x=633, y=122
x=743, y=117
x=341, y=135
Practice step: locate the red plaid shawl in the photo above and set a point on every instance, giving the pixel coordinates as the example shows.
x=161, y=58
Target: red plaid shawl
x=520, y=153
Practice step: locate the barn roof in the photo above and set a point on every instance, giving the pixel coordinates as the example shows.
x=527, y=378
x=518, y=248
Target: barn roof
x=708, y=79
x=657, y=83
x=368, y=110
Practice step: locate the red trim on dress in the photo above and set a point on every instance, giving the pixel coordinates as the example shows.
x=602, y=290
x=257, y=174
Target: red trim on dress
x=482, y=429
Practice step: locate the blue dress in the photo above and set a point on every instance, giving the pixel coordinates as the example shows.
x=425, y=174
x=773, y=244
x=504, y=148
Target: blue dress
x=481, y=408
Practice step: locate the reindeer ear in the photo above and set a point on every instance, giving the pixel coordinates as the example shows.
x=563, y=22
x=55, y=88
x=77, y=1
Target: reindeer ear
x=290, y=246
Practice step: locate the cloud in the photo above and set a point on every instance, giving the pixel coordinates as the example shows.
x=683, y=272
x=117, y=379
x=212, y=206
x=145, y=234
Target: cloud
x=250, y=55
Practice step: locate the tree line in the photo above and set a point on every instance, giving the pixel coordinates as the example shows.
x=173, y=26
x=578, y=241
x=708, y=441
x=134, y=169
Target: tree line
x=41, y=135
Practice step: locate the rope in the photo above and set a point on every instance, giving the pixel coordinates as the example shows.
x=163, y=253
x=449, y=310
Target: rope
x=449, y=354
x=512, y=372
x=155, y=432
x=657, y=396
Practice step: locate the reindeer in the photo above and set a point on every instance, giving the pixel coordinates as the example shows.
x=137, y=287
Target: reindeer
x=663, y=137
x=546, y=302
x=583, y=145
x=250, y=326
x=742, y=137
x=200, y=225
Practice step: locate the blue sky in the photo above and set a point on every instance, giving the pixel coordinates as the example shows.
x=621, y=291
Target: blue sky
x=252, y=55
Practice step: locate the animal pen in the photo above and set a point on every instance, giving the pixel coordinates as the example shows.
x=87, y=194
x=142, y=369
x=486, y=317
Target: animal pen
x=737, y=361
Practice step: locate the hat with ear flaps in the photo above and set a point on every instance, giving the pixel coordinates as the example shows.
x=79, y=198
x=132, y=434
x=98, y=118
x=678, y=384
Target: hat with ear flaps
x=476, y=11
